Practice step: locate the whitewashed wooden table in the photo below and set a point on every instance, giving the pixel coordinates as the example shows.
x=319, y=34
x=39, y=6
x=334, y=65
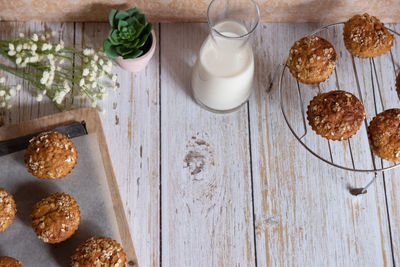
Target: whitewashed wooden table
x=202, y=189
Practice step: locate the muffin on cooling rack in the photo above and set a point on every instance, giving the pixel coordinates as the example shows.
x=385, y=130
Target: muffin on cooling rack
x=99, y=251
x=50, y=155
x=312, y=59
x=336, y=115
x=384, y=134
x=365, y=36
x=55, y=218
x=9, y=262
x=8, y=209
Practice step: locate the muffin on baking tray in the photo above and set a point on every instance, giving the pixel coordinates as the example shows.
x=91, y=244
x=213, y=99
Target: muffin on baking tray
x=365, y=36
x=99, y=251
x=8, y=209
x=384, y=134
x=50, y=155
x=312, y=59
x=55, y=218
x=336, y=115
x=9, y=262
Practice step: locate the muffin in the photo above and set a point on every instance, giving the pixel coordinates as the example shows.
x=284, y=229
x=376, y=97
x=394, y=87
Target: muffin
x=8, y=209
x=365, y=36
x=50, y=155
x=335, y=115
x=312, y=59
x=55, y=218
x=384, y=134
x=99, y=251
x=9, y=262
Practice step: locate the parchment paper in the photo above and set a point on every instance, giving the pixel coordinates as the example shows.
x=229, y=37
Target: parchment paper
x=86, y=183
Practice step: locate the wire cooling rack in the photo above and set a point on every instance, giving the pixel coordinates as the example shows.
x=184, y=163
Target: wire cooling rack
x=303, y=132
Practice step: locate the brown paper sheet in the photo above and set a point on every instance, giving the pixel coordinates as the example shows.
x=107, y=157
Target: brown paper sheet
x=86, y=183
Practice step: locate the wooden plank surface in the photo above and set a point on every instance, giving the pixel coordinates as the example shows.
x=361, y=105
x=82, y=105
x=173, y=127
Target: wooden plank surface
x=304, y=213
x=131, y=125
x=205, y=173
x=190, y=179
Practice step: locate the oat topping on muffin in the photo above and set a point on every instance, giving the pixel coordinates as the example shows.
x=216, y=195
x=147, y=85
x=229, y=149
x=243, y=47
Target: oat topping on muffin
x=50, y=155
x=55, y=218
x=99, y=251
x=312, y=59
x=366, y=36
x=336, y=115
x=8, y=209
x=384, y=135
x=9, y=262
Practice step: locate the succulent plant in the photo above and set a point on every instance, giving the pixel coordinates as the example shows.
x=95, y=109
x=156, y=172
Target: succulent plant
x=129, y=34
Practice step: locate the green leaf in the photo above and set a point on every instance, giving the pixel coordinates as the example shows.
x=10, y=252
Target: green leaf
x=111, y=17
x=141, y=18
x=133, y=12
x=121, y=50
x=139, y=31
x=122, y=24
x=121, y=15
x=134, y=54
x=109, y=49
x=113, y=37
x=145, y=35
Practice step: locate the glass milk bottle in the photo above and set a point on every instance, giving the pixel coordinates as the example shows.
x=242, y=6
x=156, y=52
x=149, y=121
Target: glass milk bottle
x=223, y=74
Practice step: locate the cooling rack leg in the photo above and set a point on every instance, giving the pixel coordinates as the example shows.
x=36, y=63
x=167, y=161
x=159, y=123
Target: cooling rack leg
x=277, y=70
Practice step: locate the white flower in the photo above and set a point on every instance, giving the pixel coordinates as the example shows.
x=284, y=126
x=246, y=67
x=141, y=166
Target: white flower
x=2, y=80
x=62, y=44
x=46, y=74
x=61, y=61
x=58, y=68
x=42, y=37
x=10, y=46
x=43, y=80
x=86, y=52
x=53, y=33
x=85, y=60
x=3, y=104
x=52, y=68
x=44, y=92
x=114, y=78
x=44, y=47
x=19, y=48
x=21, y=35
x=39, y=97
x=9, y=106
x=12, y=92
x=18, y=61
x=94, y=85
x=2, y=93
x=18, y=87
x=50, y=57
x=82, y=82
x=34, y=59
x=101, y=62
x=7, y=97
x=94, y=104
x=85, y=72
x=35, y=37
x=58, y=47
x=95, y=57
x=34, y=47
x=11, y=53
x=26, y=46
x=95, y=68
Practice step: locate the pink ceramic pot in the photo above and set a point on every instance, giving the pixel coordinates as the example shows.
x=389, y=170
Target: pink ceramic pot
x=138, y=64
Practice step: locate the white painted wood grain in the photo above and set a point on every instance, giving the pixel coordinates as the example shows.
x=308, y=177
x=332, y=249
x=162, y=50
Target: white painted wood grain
x=206, y=184
x=131, y=126
x=305, y=215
